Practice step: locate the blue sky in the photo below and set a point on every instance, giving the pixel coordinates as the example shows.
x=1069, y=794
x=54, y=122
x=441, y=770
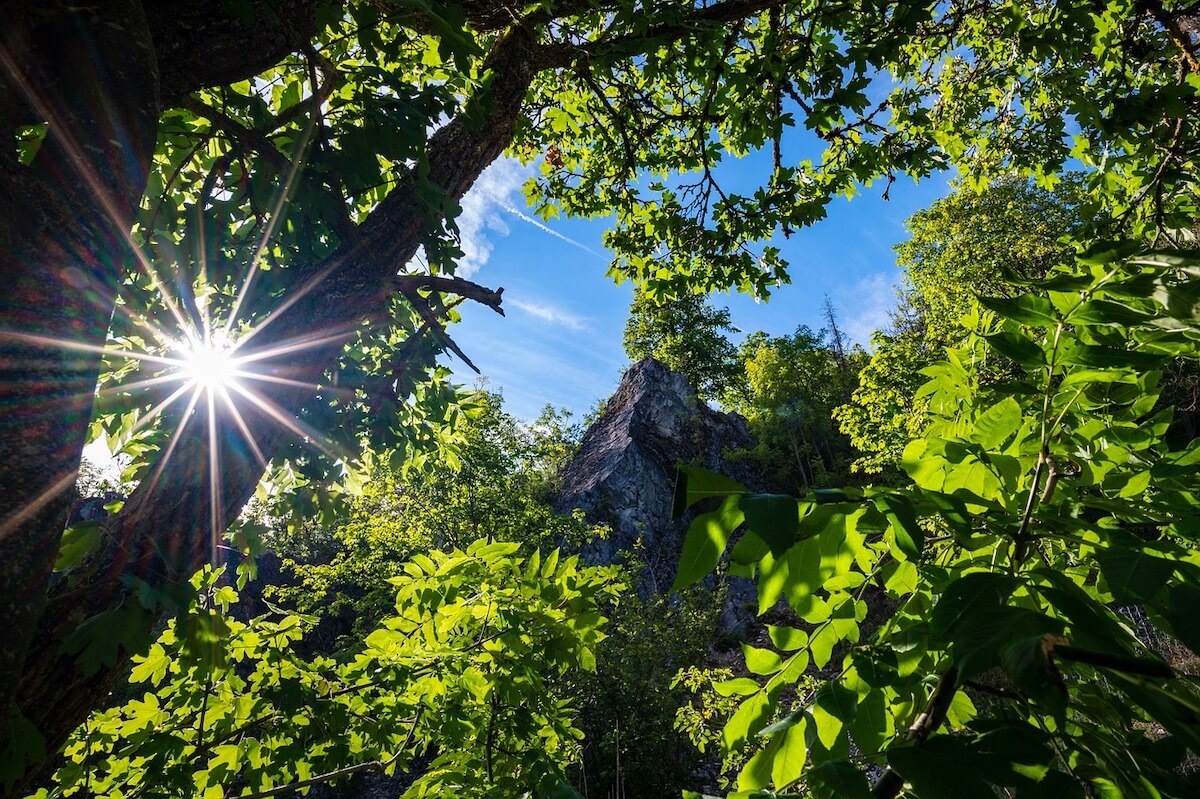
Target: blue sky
x=560, y=342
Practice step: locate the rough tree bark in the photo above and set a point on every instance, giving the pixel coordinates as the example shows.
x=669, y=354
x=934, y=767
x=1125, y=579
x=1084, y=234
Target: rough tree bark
x=63, y=236
x=162, y=533
x=97, y=75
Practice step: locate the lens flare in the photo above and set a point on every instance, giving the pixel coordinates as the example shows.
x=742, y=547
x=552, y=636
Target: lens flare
x=209, y=365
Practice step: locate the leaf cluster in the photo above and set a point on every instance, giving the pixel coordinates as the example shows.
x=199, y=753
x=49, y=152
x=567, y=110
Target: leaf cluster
x=1037, y=506
x=461, y=687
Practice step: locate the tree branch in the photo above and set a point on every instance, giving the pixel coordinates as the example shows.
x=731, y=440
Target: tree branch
x=483, y=295
x=565, y=54
x=890, y=783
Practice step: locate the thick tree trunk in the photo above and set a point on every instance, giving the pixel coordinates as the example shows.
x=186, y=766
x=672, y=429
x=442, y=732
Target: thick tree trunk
x=90, y=74
x=165, y=529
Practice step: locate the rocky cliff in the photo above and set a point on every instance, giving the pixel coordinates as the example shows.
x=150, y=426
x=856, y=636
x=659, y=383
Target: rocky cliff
x=624, y=472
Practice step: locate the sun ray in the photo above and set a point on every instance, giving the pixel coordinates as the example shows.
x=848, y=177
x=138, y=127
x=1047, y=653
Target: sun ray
x=82, y=165
x=157, y=410
x=153, y=330
x=241, y=423
x=50, y=341
x=285, y=381
x=36, y=504
x=294, y=345
x=200, y=354
x=139, y=385
x=175, y=436
x=214, y=477
x=293, y=297
x=272, y=221
x=308, y=435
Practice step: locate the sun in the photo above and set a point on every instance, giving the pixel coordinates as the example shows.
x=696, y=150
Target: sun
x=209, y=364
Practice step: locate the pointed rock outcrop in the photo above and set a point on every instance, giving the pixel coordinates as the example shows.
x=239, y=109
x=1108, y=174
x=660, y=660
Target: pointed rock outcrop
x=624, y=472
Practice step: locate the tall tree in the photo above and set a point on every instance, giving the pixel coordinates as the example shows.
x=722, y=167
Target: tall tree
x=974, y=241
x=275, y=165
x=790, y=387
x=688, y=335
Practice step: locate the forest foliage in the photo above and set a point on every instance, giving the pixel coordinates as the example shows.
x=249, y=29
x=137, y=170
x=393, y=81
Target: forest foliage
x=1043, y=498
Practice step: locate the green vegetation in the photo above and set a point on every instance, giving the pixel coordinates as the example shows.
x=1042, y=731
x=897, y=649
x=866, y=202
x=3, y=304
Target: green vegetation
x=688, y=335
x=228, y=238
x=1037, y=506
x=791, y=387
x=978, y=240
x=496, y=486
x=463, y=680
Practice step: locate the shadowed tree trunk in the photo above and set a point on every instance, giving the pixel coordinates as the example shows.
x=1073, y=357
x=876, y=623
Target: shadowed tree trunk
x=95, y=78
x=163, y=532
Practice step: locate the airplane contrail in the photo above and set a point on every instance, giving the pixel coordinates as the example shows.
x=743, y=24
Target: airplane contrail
x=524, y=217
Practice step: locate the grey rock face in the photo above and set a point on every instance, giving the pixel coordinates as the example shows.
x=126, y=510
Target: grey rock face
x=624, y=473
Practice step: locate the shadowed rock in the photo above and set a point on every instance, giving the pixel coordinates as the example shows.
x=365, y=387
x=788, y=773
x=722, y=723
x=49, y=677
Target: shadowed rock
x=624, y=473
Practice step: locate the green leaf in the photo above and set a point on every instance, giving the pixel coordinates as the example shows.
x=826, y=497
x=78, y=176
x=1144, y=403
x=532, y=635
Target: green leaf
x=979, y=642
x=750, y=717
x=967, y=596
x=875, y=666
x=997, y=424
x=21, y=746
x=1183, y=613
x=1109, y=312
x=756, y=774
x=837, y=700
x=693, y=484
x=1101, y=357
x=775, y=518
x=787, y=639
x=1089, y=376
x=761, y=661
x=97, y=641
x=749, y=549
x=1019, y=348
x=152, y=667
x=941, y=768
x=872, y=724
x=1133, y=575
x=1105, y=252
x=78, y=541
x=952, y=510
x=739, y=686
x=838, y=779
x=910, y=538
x=790, y=755
x=705, y=542
x=1126, y=664
x=1028, y=663
x=827, y=495
x=1028, y=309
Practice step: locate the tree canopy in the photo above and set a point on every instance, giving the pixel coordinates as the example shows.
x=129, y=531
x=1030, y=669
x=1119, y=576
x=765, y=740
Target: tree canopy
x=688, y=335
x=977, y=240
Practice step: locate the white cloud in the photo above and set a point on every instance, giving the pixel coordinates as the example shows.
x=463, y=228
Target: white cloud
x=482, y=211
x=547, y=313
x=496, y=193
x=524, y=217
x=874, y=298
